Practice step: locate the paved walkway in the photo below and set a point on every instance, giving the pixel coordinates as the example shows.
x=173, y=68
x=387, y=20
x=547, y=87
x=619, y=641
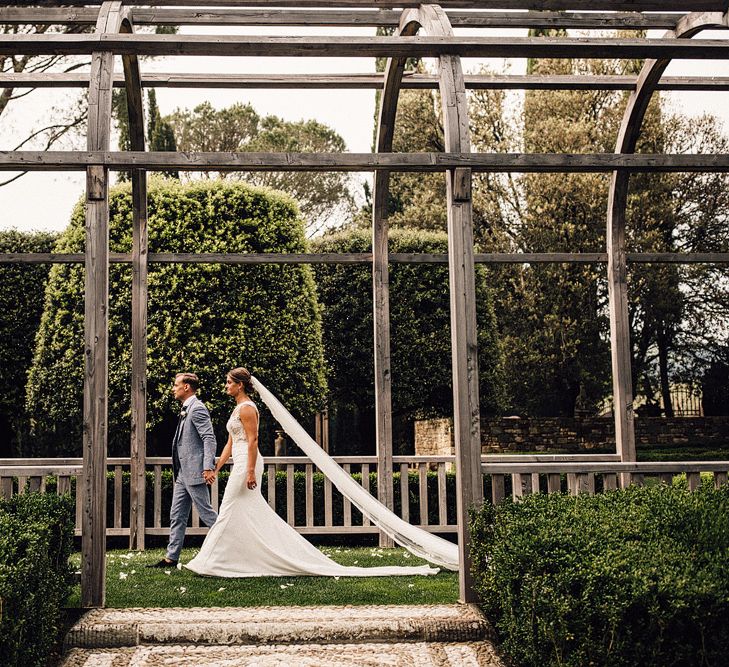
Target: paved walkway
x=417, y=636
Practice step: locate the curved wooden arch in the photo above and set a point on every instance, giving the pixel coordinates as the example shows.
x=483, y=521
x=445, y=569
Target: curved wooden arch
x=138, y=445
x=616, y=216
x=96, y=322
x=467, y=434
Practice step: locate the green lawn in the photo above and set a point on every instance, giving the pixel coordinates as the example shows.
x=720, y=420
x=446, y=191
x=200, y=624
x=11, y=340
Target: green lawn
x=130, y=584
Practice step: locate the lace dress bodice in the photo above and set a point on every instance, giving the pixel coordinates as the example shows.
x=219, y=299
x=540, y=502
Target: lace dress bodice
x=238, y=433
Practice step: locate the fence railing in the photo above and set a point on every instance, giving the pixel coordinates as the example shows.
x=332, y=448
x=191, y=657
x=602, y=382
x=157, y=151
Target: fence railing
x=423, y=486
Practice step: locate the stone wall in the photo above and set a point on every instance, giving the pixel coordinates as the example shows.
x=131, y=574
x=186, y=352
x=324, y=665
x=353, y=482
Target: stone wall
x=514, y=434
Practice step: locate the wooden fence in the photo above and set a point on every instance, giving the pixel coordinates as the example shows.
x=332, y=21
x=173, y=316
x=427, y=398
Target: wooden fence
x=426, y=482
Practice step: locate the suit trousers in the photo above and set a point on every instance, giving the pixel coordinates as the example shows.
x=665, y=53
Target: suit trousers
x=183, y=497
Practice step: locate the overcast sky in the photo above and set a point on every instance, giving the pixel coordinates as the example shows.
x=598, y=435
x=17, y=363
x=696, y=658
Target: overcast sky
x=43, y=200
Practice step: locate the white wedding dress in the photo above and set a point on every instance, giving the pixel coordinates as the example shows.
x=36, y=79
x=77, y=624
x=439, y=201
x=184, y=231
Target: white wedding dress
x=250, y=540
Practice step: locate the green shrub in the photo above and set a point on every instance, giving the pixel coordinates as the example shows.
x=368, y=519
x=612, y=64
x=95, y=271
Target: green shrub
x=632, y=577
x=36, y=539
x=204, y=318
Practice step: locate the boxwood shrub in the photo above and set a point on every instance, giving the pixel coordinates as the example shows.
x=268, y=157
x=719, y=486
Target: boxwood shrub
x=632, y=577
x=36, y=538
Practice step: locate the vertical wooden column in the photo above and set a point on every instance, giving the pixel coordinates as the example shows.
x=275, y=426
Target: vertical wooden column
x=620, y=345
x=138, y=445
x=381, y=281
x=461, y=267
x=96, y=329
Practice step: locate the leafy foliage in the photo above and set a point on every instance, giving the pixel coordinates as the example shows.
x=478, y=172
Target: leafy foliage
x=21, y=304
x=36, y=539
x=628, y=577
x=203, y=318
x=420, y=332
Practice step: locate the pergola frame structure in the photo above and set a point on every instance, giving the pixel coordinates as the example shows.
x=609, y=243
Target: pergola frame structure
x=114, y=22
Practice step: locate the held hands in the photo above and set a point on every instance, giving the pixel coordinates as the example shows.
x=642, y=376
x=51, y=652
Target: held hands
x=251, y=480
x=209, y=476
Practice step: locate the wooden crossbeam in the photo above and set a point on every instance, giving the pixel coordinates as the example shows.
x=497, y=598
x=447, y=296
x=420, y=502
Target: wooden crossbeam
x=364, y=81
x=336, y=46
x=361, y=162
x=366, y=258
x=339, y=18
x=597, y=5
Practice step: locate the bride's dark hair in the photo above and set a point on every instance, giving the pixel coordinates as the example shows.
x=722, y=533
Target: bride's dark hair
x=243, y=376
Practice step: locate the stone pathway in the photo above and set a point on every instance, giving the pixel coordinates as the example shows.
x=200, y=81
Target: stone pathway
x=402, y=636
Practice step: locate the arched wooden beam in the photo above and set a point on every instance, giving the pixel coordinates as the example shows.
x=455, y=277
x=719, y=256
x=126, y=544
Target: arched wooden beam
x=467, y=432
x=381, y=277
x=96, y=329
x=617, y=204
x=138, y=445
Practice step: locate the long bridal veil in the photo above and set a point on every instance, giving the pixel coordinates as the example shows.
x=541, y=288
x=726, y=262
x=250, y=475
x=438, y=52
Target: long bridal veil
x=419, y=542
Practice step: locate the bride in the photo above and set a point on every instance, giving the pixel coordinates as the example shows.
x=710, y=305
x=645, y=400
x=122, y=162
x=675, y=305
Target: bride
x=249, y=539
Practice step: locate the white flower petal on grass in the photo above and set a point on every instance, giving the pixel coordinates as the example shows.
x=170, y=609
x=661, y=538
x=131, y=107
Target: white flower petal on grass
x=406, y=555
x=411, y=585
x=221, y=589
x=179, y=566
x=282, y=587
x=123, y=575
x=182, y=589
x=133, y=572
x=168, y=571
x=355, y=562
x=336, y=578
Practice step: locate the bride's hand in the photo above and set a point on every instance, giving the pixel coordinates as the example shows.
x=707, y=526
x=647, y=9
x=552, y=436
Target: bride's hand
x=251, y=480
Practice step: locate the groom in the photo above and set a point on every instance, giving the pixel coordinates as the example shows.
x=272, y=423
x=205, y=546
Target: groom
x=193, y=463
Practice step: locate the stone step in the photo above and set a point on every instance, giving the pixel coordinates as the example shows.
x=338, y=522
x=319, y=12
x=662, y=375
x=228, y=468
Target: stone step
x=403, y=654
x=226, y=626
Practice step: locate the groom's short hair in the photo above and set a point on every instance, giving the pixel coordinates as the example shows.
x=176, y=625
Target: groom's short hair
x=191, y=379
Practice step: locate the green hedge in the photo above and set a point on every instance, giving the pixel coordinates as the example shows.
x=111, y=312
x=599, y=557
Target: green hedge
x=632, y=577
x=204, y=318
x=36, y=539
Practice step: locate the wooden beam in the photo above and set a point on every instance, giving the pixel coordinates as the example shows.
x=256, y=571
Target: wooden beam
x=365, y=81
x=138, y=443
x=362, y=162
x=367, y=47
x=339, y=18
x=96, y=324
x=597, y=5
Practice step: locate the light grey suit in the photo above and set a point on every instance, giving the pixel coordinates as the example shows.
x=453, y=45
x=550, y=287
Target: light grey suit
x=193, y=450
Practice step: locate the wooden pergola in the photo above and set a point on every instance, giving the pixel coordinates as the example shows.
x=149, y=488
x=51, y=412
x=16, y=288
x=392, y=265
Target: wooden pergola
x=422, y=30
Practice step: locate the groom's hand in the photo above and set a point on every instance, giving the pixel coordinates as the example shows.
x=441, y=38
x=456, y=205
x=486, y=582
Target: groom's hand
x=209, y=476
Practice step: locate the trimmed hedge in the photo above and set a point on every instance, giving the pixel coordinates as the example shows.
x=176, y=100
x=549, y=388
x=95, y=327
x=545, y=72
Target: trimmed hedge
x=36, y=539
x=632, y=577
x=204, y=318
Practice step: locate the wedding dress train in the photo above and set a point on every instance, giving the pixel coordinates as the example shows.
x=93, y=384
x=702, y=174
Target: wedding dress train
x=250, y=540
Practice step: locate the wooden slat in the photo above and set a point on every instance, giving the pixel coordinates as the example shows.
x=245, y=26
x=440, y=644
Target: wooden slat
x=442, y=498
x=195, y=517
x=117, y=496
x=610, y=481
x=366, y=486
x=405, y=492
x=346, y=505
x=327, y=502
x=535, y=482
x=6, y=487
x=63, y=485
x=666, y=478
x=694, y=480
x=272, y=486
x=554, y=482
x=290, y=517
x=79, y=503
x=423, y=493
x=34, y=483
x=572, y=483
x=215, y=494
x=498, y=488
x=517, y=488
x=720, y=478
x=22, y=484
x=157, y=496
x=309, y=494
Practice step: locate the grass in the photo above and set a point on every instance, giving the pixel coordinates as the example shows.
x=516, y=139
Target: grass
x=130, y=584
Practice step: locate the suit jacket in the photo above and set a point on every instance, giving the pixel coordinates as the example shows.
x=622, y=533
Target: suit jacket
x=194, y=445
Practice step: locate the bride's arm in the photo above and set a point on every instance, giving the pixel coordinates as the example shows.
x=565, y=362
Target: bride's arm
x=224, y=455
x=249, y=419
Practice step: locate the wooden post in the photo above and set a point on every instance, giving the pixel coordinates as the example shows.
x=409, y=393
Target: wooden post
x=381, y=283
x=138, y=445
x=96, y=330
